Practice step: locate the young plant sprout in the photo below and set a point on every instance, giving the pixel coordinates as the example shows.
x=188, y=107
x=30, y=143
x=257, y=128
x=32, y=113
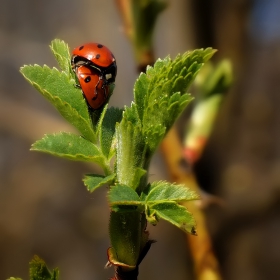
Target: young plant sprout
x=121, y=141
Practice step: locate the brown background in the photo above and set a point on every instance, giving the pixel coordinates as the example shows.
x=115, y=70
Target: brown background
x=46, y=210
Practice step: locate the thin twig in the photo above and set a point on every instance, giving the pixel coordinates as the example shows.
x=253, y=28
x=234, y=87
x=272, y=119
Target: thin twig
x=205, y=262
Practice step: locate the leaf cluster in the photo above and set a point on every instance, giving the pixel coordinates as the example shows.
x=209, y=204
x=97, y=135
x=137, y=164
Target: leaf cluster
x=130, y=135
x=38, y=270
x=160, y=96
x=159, y=201
x=161, y=93
x=59, y=87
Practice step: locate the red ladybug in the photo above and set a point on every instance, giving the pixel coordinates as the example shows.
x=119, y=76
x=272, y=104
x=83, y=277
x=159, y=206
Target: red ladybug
x=96, y=56
x=93, y=85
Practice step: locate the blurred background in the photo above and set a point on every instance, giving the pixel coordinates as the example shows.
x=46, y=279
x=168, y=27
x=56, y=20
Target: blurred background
x=46, y=210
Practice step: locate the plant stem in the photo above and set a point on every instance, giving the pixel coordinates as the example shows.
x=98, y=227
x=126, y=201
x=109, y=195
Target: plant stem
x=125, y=275
x=205, y=262
x=135, y=21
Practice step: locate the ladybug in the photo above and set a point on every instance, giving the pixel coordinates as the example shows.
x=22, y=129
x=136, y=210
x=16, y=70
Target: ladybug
x=93, y=85
x=96, y=56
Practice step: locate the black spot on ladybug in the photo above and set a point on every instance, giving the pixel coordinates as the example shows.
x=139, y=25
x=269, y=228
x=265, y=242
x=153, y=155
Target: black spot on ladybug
x=87, y=79
x=99, y=46
x=81, y=47
x=97, y=56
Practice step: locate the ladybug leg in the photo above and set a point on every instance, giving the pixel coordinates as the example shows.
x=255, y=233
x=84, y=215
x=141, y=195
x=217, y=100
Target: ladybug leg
x=96, y=91
x=89, y=64
x=77, y=61
x=75, y=71
x=104, y=87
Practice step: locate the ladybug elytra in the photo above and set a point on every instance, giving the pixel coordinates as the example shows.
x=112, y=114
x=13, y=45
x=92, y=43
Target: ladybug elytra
x=94, y=88
x=97, y=56
x=95, y=67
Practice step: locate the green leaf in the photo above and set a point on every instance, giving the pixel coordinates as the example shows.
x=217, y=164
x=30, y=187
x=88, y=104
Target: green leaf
x=130, y=153
x=70, y=146
x=184, y=101
x=161, y=202
x=13, y=278
x=169, y=76
x=125, y=231
x=94, y=181
x=162, y=191
x=215, y=79
x=61, y=52
x=173, y=213
x=156, y=116
x=131, y=114
x=106, y=130
x=153, y=136
x=174, y=110
x=139, y=177
x=63, y=94
x=160, y=94
x=140, y=92
x=146, y=83
x=38, y=270
x=113, y=257
x=123, y=195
